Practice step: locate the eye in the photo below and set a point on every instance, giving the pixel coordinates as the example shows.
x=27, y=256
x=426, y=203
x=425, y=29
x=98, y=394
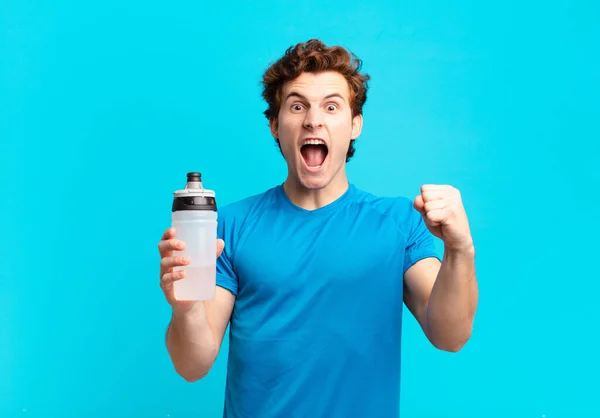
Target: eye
x=296, y=107
x=331, y=107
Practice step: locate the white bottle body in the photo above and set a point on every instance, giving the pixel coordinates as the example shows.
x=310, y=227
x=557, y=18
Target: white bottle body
x=198, y=229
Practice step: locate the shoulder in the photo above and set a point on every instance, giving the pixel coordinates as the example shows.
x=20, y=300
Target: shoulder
x=236, y=213
x=397, y=204
x=398, y=210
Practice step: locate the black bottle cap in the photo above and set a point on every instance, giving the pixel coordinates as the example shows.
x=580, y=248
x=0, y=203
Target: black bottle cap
x=194, y=203
x=194, y=177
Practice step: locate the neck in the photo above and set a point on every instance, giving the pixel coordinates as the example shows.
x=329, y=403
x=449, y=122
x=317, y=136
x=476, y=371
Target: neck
x=311, y=199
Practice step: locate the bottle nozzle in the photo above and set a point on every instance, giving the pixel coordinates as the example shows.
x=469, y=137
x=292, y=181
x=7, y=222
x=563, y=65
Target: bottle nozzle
x=194, y=177
x=194, y=180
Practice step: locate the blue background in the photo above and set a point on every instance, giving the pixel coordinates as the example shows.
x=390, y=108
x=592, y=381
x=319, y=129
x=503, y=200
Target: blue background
x=104, y=106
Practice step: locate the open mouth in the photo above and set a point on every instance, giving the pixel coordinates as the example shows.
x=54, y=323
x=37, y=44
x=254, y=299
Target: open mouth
x=314, y=152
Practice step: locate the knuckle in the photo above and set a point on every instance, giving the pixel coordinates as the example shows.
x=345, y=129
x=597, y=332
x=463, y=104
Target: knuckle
x=165, y=262
x=429, y=206
x=432, y=216
x=166, y=278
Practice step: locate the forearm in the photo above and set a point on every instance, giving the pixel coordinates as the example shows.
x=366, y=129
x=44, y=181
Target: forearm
x=453, y=301
x=191, y=343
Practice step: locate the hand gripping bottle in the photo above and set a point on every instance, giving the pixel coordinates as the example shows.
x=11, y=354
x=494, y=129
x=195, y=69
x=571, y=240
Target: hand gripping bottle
x=194, y=217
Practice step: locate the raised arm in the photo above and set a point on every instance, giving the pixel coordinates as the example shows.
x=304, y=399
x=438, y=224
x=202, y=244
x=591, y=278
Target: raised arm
x=443, y=296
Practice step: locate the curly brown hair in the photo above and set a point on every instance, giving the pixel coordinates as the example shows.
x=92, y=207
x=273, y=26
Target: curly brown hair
x=313, y=57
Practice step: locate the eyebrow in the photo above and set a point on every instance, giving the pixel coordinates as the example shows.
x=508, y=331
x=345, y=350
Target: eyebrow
x=300, y=96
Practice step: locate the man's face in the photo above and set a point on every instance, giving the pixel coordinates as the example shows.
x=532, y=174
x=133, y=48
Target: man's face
x=315, y=126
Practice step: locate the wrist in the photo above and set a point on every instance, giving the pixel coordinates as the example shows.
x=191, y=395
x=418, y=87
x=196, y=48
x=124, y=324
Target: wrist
x=190, y=315
x=464, y=251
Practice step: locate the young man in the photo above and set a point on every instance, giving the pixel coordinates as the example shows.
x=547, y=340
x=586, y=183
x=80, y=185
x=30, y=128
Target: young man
x=313, y=273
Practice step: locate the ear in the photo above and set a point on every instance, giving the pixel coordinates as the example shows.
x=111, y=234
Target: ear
x=274, y=127
x=357, y=123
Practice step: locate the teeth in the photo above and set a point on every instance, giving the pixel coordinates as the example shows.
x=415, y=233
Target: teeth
x=313, y=142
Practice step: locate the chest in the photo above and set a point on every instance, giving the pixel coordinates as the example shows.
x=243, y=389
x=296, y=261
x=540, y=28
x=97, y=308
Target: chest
x=301, y=258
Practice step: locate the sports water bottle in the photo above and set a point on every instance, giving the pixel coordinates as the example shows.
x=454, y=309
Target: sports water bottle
x=194, y=217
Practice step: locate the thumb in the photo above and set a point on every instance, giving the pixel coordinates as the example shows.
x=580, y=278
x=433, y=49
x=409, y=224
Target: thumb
x=220, y=246
x=419, y=205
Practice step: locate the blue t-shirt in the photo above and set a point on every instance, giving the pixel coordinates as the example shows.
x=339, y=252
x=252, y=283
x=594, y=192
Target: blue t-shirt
x=315, y=330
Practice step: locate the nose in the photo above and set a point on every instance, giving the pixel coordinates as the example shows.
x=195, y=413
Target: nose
x=313, y=119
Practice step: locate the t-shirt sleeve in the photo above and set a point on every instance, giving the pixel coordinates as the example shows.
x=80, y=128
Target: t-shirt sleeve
x=226, y=277
x=420, y=241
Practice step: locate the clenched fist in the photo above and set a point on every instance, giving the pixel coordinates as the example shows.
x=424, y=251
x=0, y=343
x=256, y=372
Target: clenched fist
x=443, y=212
